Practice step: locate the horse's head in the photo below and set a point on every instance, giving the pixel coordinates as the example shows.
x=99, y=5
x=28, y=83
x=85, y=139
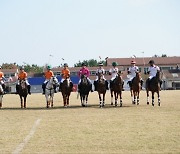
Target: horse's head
x=54, y=80
x=84, y=79
x=100, y=77
x=138, y=75
x=23, y=84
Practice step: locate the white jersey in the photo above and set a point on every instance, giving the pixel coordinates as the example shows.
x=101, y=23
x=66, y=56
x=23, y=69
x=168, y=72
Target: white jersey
x=133, y=71
x=152, y=71
x=100, y=71
x=114, y=72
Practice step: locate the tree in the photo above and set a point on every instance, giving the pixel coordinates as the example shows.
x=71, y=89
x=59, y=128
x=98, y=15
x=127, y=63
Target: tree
x=90, y=63
x=164, y=55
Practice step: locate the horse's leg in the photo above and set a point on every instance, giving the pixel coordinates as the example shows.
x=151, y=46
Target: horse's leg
x=67, y=100
x=0, y=101
x=25, y=101
x=103, y=99
x=152, y=98
x=52, y=101
x=86, y=99
x=21, y=101
x=147, y=91
x=100, y=101
x=159, y=100
x=138, y=98
x=111, y=97
x=132, y=97
x=134, y=93
x=115, y=96
x=120, y=98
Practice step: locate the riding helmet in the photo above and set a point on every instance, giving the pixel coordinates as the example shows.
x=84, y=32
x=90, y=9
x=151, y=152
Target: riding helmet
x=151, y=62
x=21, y=67
x=49, y=67
x=100, y=64
x=65, y=64
x=114, y=64
x=83, y=64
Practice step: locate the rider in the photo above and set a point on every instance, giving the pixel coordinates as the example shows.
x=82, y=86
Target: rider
x=100, y=70
x=2, y=79
x=65, y=73
x=23, y=76
x=152, y=70
x=48, y=74
x=84, y=71
x=132, y=72
x=113, y=72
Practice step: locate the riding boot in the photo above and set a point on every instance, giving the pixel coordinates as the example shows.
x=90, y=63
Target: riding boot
x=111, y=83
x=60, y=87
x=29, y=89
x=17, y=89
x=160, y=82
x=147, y=83
x=141, y=83
x=71, y=85
x=107, y=88
x=95, y=85
x=43, y=87
x=4, y=88
x=54, y=86
x=91, y=87
x=123, y=86
x=130, y=84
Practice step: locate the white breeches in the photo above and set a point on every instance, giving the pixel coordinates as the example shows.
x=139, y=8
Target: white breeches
x=25, y=81
x=87, y=79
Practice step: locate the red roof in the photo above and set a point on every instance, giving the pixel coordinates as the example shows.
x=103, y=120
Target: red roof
x=144, y=61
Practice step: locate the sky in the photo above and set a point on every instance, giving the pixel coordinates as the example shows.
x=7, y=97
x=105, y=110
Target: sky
x=59, y=31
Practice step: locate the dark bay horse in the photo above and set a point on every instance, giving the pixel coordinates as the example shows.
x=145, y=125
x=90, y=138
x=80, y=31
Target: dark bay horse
x=101, y=89
x=154, y=87
x=23, y=92
x=117, y=88
x=135, y=88
x=84, y=89
x=1, y=94
x=66, y=90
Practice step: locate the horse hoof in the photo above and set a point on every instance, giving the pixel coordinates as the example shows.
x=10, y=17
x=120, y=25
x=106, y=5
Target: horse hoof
x=152, y=104
x=111, y=103
x=159, y=104
x=120, y=105
x=137, y=103
x=147, y=103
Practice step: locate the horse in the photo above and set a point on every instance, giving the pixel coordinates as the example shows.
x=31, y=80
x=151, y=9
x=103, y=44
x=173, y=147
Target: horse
x=135, y=88
x=84, y=89
x=49, y=90
x=154, y=87
x=66, y=89
x=23, y=92
x=1, y=95
x=101, y=89
x=117, y=88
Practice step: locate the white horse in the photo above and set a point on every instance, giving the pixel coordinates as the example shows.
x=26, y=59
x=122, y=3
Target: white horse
x=49, y=91
x=1, y=95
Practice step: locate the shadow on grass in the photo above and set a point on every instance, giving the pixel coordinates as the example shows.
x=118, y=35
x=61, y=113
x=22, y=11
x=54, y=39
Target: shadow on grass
x=95, y=106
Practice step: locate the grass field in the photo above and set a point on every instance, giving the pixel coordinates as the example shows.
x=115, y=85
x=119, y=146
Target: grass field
x=129, y=129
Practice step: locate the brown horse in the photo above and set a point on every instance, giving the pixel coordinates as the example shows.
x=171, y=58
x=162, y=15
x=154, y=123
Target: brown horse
x=154, y=87
x=23, y=92
x=117, y=88
x=84, y=89
x=101, y=89
x=135, y=88
x=66, y=89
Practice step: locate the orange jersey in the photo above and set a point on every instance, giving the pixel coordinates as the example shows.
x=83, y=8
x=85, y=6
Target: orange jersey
x=49, y=74
x=22, y=75
x=65, y=73
x=1, y=74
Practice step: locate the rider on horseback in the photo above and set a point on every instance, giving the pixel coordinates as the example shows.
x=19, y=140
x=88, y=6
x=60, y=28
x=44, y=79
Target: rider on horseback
x=65, y=73
x=114, y=72
x=99, y=71
x=84, y=71
x=48, y=74
x=152, y=71
x=2, y=79
x=132, y=72
x=22, y=76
